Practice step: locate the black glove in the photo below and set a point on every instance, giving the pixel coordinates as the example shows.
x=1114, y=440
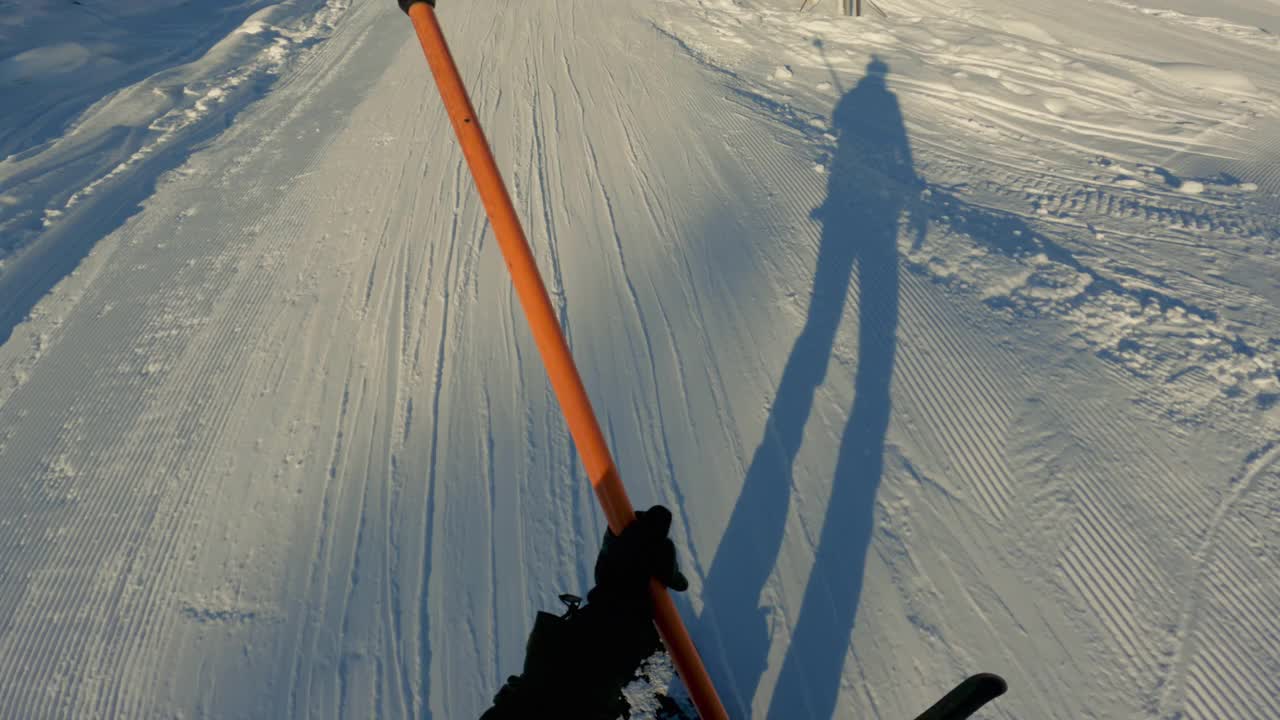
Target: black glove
x=627, y=561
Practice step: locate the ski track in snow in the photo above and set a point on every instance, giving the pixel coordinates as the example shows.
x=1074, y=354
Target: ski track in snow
x=1235, y=678
x=281, y=445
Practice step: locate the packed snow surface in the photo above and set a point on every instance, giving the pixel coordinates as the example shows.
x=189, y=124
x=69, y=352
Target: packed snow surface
x=950, y=333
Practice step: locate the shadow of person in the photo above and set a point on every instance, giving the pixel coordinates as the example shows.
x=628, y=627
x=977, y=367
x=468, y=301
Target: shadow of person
x=872, y=181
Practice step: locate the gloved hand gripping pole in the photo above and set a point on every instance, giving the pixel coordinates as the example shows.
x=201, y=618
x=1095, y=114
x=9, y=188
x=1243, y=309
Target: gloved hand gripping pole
x=561, y=369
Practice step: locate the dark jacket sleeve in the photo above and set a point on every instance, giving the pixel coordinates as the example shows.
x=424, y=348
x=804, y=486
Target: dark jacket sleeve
x=576, y=665
x=530, y=694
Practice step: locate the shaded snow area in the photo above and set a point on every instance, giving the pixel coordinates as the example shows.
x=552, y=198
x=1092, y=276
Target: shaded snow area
x=950, y=334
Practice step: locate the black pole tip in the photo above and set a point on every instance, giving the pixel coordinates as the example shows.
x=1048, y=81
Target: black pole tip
x=404, y=4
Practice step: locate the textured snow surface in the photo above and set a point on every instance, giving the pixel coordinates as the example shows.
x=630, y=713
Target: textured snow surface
x=951, y=337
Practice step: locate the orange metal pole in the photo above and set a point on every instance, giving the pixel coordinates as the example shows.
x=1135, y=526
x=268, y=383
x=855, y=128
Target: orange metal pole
x=563, y=373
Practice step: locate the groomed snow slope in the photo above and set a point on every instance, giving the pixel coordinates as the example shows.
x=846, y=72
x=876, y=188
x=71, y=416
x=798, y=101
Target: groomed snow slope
x=952, y=339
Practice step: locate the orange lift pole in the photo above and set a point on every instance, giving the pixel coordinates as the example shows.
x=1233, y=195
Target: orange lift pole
x=563, y=373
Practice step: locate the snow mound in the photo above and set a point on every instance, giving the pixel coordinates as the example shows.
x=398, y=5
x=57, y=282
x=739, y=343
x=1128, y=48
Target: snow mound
x=38, y=63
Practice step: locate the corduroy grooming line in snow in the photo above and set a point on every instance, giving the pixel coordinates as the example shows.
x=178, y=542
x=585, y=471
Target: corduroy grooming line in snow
x=563, y=373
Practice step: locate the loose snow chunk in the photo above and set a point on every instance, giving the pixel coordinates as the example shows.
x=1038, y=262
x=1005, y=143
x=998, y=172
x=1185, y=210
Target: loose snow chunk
x=1057, y=106
x=1004, y=286
x=253, y=27
x=783, y=72
x=1191, y=187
